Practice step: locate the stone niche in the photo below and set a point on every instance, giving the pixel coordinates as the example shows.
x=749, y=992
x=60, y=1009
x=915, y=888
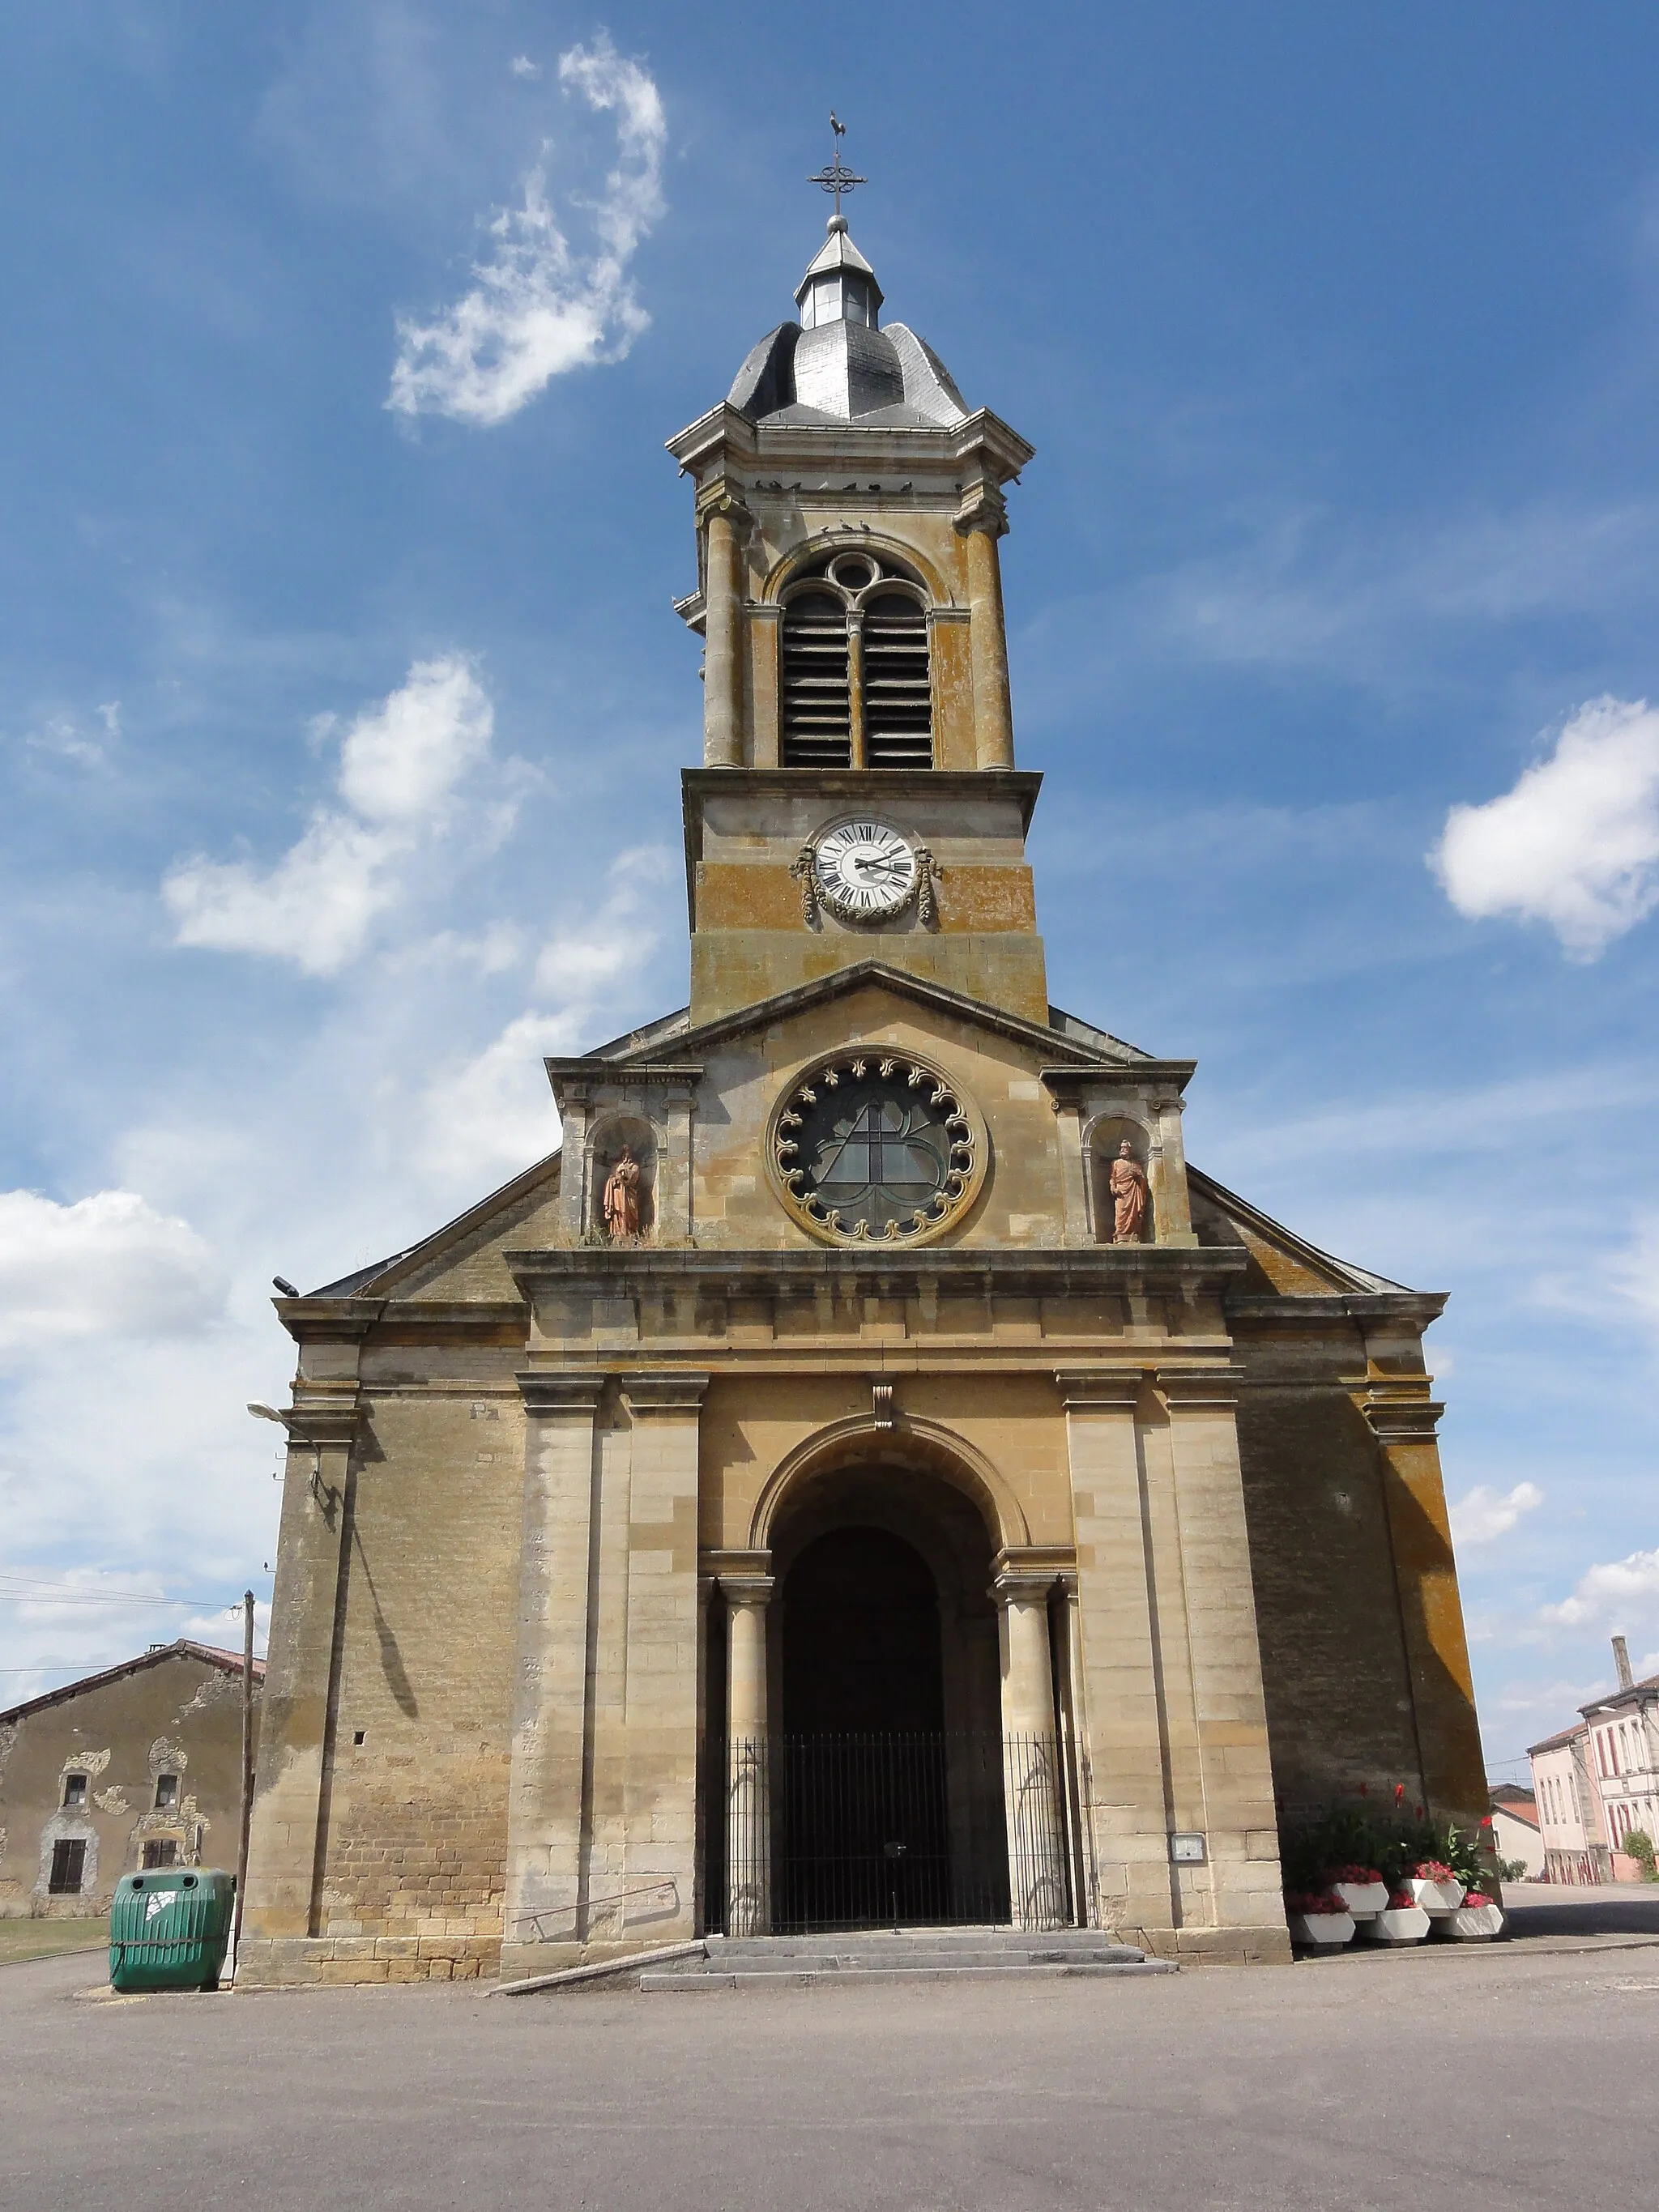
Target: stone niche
x=610, y=1134
x=1100, y=1147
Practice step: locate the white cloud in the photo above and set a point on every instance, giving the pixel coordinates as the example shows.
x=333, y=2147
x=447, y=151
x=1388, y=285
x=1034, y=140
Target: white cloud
x=1483, y=1515
x=1575, y=843
x=62, y=735
x=1617, y=1590
x=1636, y=1270
x=493, y=1114
x=400, y=764
x=538, y=309
x=106, y=1265
x=522, y=66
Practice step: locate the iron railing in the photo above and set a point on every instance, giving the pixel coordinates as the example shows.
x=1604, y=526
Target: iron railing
x=911, y=1828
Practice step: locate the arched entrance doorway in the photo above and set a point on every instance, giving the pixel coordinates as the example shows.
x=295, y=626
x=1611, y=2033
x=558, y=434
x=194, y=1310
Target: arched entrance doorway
x=886, y=1778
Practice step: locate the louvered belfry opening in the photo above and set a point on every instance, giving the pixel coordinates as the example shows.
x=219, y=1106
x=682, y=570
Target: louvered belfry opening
x=817, y=725
x=898, y=717
x=857, y=687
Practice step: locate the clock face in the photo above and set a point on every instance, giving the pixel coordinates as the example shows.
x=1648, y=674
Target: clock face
x=872, y=1144
x=865, y=871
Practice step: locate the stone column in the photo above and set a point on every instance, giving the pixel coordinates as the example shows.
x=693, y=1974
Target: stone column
x=722, y=659
x=749, y=1808
x=1404, y=1420
x=858, y=745
x=546, y=1907
x=982, y=519
x=1221, y=1771
x=1120, y=1665
x=660, y=1743
x=287, y=1842
x=1031, y=1781
x=1172, y=1213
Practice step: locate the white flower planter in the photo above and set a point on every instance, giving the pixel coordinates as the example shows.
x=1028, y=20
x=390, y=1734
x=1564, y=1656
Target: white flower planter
x=1397, y=1924
x=1471, y=1923
x=1364, y=1899
x=1330, y=1931
x=1436, y=1897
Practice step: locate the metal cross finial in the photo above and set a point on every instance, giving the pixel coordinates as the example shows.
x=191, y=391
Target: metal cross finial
x=837, y=177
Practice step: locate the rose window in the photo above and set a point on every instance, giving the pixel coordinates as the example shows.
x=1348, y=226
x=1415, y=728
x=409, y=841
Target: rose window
x=875, y=1145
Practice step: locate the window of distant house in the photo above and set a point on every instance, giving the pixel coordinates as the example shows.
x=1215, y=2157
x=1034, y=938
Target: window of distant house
x=166, y=1791
x=69, y=1859
x=74, y=1792
x=161, y=1851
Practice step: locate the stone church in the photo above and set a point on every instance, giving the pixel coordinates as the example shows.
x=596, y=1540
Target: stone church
x=866, y=1475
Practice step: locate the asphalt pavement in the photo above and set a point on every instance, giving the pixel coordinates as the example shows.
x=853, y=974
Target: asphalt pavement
x=1519, y=2075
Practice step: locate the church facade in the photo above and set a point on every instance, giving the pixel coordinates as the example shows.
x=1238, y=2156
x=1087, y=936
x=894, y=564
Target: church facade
x=866, y=1474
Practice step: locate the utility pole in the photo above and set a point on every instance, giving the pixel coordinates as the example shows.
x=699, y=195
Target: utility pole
x=247, y=1767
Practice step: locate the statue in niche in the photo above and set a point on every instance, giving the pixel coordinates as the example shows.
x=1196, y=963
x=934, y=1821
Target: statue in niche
x=1127, y=1185
x=622, y=1199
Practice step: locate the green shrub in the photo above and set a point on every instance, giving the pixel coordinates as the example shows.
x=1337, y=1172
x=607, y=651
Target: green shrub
x=1638, y=1845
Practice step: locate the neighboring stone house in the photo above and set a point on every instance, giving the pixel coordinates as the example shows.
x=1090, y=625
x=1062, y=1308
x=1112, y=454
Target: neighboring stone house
x=140, y=1766
x=1598, y=1780
x=866, y=1474
x=1515, y=1828
x=1622, y=1754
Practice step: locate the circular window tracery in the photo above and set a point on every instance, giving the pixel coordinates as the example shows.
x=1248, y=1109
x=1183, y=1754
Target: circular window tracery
x=876, y=1145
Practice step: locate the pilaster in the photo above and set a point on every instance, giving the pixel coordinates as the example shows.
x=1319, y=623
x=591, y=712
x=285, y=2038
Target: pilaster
x=1119, y=1661
x=1225, y=1788
x=1404, y=1420
x=288, y=1840
x=546, y=1903
x=663, y=1660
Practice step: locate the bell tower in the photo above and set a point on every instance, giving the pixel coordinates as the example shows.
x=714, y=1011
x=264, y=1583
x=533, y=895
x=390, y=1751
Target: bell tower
x=857, y=797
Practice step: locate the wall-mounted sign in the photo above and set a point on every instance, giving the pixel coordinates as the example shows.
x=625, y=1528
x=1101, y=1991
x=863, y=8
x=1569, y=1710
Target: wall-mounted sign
x=1187, y=1848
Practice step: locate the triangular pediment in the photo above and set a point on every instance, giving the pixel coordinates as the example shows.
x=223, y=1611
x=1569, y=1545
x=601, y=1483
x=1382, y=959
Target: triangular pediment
x=462, y=1260
x=1064, y=1041
x=1283, y=1264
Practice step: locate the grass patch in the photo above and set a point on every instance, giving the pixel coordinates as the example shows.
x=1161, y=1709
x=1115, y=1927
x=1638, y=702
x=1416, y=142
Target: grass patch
x=44, y=1939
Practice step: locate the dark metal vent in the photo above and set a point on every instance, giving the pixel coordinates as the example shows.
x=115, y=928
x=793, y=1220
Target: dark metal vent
x=817, y=730
x=898, y=720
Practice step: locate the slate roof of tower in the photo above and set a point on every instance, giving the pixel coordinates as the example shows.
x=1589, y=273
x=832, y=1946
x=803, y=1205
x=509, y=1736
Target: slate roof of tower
x=844, y=373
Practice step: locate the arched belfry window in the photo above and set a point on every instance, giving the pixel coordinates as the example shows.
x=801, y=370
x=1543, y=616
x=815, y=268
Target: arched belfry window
x=857, y=687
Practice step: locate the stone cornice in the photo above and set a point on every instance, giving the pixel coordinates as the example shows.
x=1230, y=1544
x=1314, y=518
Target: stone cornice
x=1402, y=1412
x=724, y=438
x=675, y=1390
x=322, y=1413
x=1083, y=1391
x=1185, y=1388
x=1318, y=1310
x=569, y=1390
x=1068, y=1082
x=328, y=1321
x=999, y=1271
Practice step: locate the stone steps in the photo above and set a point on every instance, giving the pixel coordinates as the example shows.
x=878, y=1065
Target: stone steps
x=918, y=1955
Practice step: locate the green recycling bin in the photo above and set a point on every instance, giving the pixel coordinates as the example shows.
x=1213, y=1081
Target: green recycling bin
x=168, y=1929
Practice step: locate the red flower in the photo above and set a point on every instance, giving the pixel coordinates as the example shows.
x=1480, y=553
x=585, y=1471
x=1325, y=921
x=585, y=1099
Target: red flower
x=1474, y=1897
x=1399, y=1793
x=1364, y=1788
x=1402, y=1901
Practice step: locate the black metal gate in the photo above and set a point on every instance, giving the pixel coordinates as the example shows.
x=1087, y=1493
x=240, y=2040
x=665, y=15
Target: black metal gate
x=809, y=1832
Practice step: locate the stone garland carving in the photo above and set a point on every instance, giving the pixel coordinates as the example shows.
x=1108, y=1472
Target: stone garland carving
x=928, y=874
x=804, y=870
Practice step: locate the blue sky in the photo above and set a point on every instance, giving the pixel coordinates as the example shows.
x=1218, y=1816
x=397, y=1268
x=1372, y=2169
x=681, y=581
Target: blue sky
x=342, y=703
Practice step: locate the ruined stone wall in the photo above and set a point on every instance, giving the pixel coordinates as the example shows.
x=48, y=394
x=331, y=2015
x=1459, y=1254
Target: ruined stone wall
x=182, y=1715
